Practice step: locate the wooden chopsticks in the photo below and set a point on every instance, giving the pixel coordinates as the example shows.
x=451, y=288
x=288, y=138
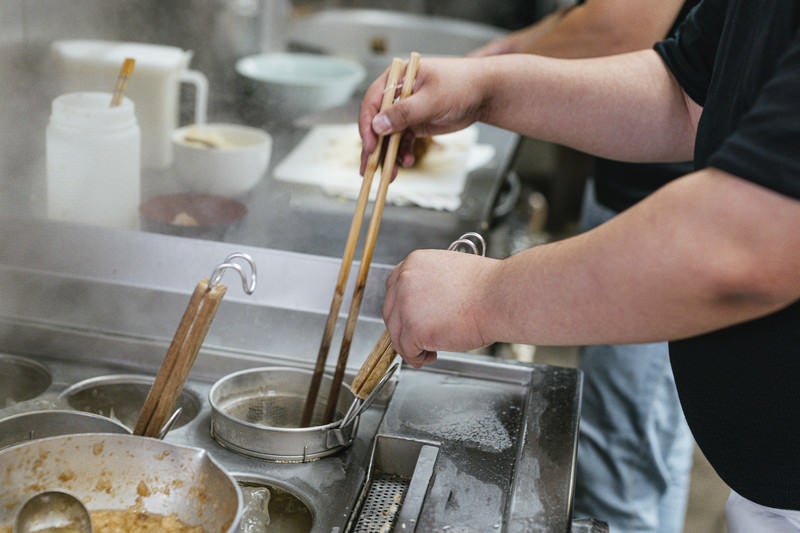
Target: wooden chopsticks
x=374, y=367
x=182, y=352
x=347, y=258
x=387, y=171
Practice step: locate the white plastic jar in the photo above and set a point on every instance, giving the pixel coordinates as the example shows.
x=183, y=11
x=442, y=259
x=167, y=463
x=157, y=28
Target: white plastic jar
x=93, y=161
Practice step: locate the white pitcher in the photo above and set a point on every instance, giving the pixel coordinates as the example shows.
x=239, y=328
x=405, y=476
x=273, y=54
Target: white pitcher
x=154, y=86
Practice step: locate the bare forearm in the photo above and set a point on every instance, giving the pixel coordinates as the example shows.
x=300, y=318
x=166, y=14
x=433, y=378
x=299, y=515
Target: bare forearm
x=625, y=107
x=604, y=27
x=665, y=269
x=704, y=252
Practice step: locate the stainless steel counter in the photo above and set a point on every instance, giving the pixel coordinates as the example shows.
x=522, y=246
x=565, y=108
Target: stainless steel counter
x=505, y=435
x=87, y=302
x=302, y=218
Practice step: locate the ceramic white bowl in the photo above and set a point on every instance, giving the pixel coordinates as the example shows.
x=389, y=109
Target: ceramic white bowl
x=222, y=159
x=287, y=85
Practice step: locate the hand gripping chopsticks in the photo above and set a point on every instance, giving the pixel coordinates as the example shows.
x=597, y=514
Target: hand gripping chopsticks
x=156, y=416
x=387, y=171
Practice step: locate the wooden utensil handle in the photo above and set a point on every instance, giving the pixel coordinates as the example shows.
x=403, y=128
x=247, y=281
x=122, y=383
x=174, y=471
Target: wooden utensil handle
x=374, y=367
x=182, y=352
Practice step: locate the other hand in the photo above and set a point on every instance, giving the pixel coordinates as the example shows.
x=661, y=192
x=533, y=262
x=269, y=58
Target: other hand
x=434, y=302
x=447, y=97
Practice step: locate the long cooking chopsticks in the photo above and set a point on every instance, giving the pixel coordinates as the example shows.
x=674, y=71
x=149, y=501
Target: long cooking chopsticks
x=388, y=164
x=387, y=172
x=347, y=257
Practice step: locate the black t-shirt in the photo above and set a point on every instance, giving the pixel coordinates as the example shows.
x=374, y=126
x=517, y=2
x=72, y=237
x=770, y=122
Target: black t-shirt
x=619, y=185
x=740, y=386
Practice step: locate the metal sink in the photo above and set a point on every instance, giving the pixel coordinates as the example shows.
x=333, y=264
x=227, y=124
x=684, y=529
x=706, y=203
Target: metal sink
x=375, y=36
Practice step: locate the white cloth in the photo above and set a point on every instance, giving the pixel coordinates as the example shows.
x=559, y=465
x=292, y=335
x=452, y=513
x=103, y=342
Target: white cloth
x=329, y=157
x=744, y=516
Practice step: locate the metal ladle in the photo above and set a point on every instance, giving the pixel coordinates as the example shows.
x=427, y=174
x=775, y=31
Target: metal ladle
x=53, y=512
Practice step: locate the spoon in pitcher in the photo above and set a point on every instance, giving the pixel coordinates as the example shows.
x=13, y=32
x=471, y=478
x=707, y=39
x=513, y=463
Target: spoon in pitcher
x=53, y=512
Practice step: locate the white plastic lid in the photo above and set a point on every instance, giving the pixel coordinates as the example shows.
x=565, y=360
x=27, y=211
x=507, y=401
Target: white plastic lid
x=114, y=53
x=92, y=111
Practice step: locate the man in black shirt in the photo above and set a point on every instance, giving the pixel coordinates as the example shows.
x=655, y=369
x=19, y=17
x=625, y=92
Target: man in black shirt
x=634, y=448
x=710, y=261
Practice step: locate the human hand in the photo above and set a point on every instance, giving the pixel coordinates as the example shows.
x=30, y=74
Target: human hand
x=446, y=98
x=434, y=302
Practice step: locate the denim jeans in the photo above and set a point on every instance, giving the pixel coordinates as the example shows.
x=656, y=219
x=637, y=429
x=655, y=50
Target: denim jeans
x=634, y=448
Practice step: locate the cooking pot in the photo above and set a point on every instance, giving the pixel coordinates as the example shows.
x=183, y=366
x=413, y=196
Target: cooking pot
x=257, y=412
x=34, y=425
x=21, y=379
x=122, y=472
x=121, y=397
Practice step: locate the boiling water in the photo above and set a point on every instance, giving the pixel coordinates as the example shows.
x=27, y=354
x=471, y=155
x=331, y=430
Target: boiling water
x=283, y=411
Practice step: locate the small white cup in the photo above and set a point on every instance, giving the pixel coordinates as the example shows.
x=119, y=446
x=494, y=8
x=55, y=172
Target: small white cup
x=224, y=159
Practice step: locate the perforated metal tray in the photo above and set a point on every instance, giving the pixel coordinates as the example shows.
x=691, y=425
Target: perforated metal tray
x=398, y=480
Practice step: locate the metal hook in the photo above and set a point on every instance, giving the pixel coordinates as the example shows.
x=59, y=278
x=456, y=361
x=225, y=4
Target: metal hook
x=169, y=423
x=467, y=240
x=248, y=282
x=359, y=406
